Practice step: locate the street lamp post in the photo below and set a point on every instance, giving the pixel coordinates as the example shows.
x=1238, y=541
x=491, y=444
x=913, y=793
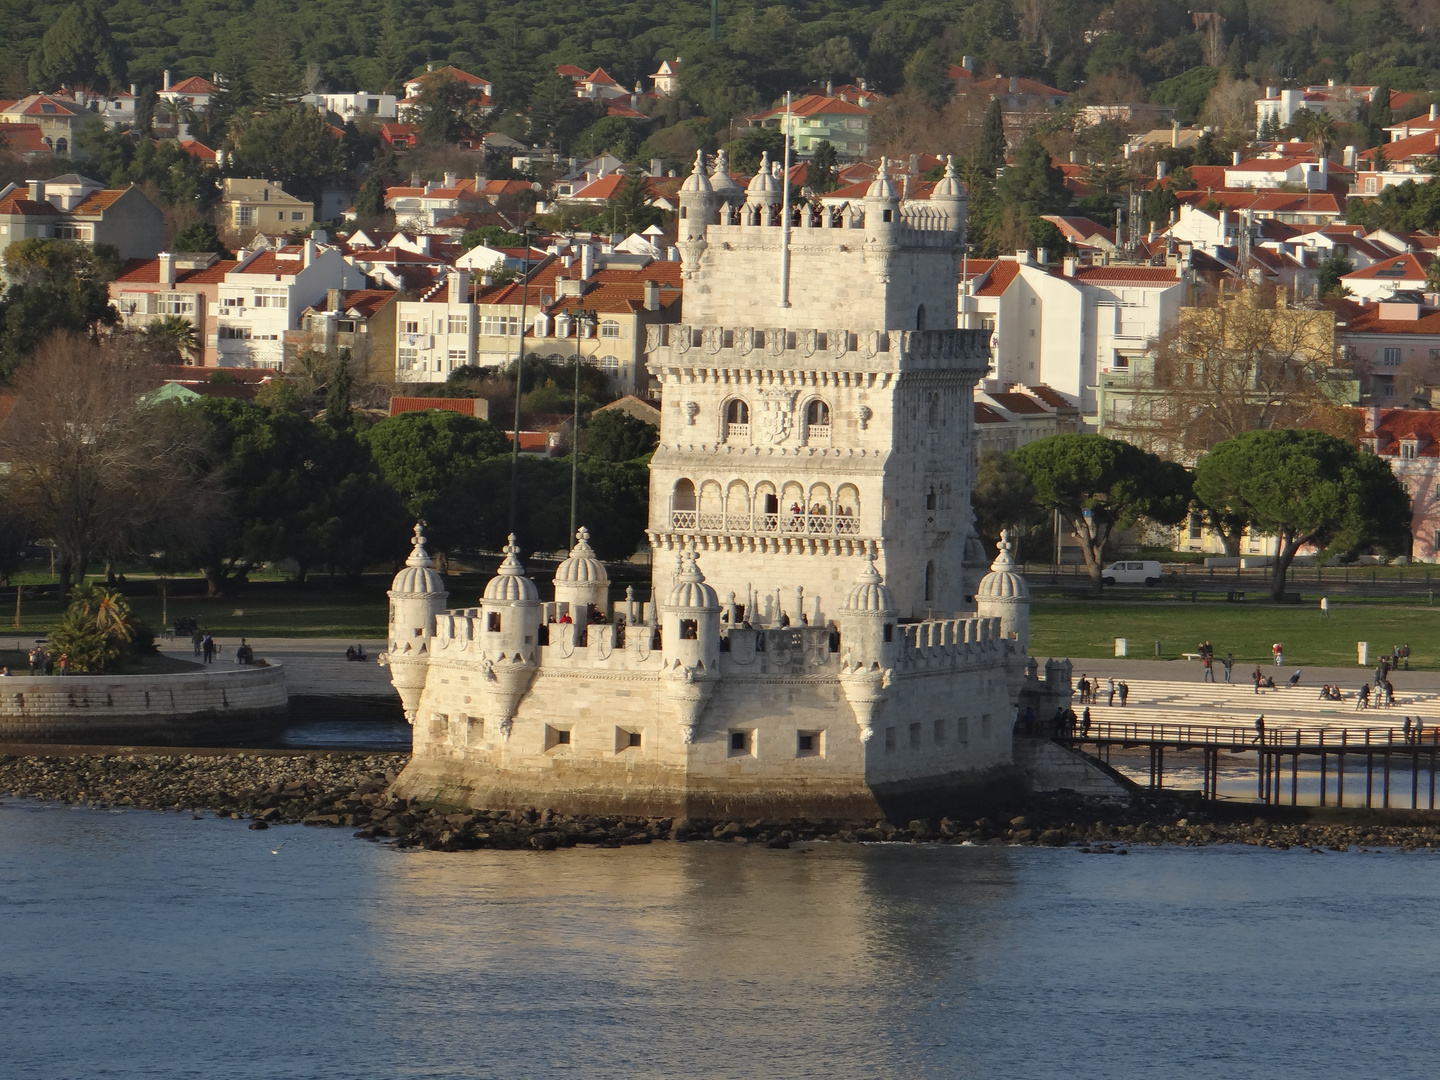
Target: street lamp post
x=525, y=231
x=583, y=318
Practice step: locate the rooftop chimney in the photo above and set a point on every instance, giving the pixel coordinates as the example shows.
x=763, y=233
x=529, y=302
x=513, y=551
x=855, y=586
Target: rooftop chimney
x=968, y=63
x=37, y=190
x=460, y=287
x=309, y=250
x=587, y=262
x=1014, y=85
x=1435, y=112
x=1074, y=157
x=166, y=76
x=1269, y=91
x=1067, y=266
x=1174, y=133
x=1235, y=157
x=332, y=300
x=1349, y=157
x=657, y=167
x=652, y=296
x=451, y=179
x=167, y=269
x=134, y=90
x=1160, y=170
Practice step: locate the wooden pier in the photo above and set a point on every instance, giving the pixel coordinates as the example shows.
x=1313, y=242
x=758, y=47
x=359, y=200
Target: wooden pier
x=1278, y=752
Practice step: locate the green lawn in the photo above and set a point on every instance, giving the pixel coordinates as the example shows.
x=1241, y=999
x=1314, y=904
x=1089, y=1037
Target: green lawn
x=1080, y=628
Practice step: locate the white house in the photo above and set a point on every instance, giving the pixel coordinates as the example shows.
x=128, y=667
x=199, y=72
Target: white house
x=351, y=106
x=1062, y=326
x=266, y=294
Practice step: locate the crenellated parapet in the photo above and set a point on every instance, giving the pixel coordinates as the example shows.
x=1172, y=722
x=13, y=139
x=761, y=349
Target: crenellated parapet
x=750, y=350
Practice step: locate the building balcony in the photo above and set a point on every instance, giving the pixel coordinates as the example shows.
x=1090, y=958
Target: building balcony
x=715, y=522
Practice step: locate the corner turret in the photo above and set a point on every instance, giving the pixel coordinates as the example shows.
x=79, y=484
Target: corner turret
x=949, y=195
x=698, y=209
x=690, y=643
x=725, y=188
x=1003, y=593
x=763, y=195
x=510, y=627
x=867, y=646
x=882, y=225
x=417, y=596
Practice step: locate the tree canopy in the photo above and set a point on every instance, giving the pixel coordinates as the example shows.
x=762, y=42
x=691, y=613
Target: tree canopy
x=1099, y=484
x=1308, y=489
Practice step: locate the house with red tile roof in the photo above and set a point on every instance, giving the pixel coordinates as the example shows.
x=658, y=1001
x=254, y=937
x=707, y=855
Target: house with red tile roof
x=73, y=207
x=1409, y=441
x=597, y=85
x=476, y=407
x=184, y=284
x=195, y=92
x=264, y=296
x=399, y=136
x=1403, y=273
x=57, y=118
x=1341, y=102
x=1082, y=232
x=1295, y=208
x=666, y=78
x=420, y=206
x=815, y=118
x=361, y=320
x=1382, y=337
x=26, y=139
x=478, y=84
x=1063, y=325
x=1008, y=419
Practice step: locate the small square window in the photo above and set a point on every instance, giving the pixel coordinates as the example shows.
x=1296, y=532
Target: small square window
x=556, y=737
x=689, y=629
x=915, y=736
x=962, y=731
x=634, y=738
x=492, y=622
x=809, y=744
x=742, y=743
x=889, y=631
x=940, y=732
x=625, y=739
x=889, y=739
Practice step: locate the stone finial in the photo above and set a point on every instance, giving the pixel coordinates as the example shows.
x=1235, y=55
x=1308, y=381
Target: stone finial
x=697, y=181
x=418, y=555
x=949, y=186
x=510, y=583
x=1005, y=560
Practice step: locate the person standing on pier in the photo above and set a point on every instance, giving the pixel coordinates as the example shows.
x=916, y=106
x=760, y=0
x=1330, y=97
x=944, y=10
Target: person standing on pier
x=1227, y=664
x=1256, y=677
x=1209, y=662
x=1407, y=730
x=1111, y=702
x=1259, y=729
x=1363, y=701
x=1124, y=692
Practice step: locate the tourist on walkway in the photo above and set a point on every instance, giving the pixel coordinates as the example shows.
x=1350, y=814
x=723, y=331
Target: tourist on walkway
x=1278, y=650
x=1363, y=701
x=1389, y=689
x=64, y=663
x=1227, y=664
x=1295, y=679
x=207, y=648
x=1111, y=702
x=1256, y=676
x=1407, y=729
x=34, y=659
x=1124, y=692
x=1259, y=729
x=1085, y=720
x=197, y=639
x=1209, y=665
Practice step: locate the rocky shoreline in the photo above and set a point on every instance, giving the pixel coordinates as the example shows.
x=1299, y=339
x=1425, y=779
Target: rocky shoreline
x=349, y=790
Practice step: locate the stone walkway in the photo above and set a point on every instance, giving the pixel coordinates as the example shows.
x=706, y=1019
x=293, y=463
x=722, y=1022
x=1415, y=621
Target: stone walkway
x=1347, y=678
x=313, y=666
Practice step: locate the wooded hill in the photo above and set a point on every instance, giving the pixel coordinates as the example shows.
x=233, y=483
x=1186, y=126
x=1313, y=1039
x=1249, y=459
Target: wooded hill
x=763, y=48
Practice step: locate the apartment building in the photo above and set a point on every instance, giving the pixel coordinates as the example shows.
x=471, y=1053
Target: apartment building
x=184, y=284
x=73, y=207
x=360, y=320
x=263, y=205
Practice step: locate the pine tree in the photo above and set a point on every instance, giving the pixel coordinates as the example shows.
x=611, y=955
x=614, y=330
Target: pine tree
x=1033, y=181
x=391, y=51
x=370, y=201
x=77, y=50
x=990, y=150
x=337, y=398
x=275, y=73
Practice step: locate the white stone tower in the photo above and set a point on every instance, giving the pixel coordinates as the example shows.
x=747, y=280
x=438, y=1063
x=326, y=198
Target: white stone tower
x=807, y=428
x=867, y=631
x=690, y=639
x=417, y=596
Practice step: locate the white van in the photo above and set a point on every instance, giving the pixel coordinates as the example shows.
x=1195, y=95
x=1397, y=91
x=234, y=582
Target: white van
x=1132, y=572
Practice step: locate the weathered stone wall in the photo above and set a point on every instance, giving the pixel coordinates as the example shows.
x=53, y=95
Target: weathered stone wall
x=570, y=747
x=215, y=705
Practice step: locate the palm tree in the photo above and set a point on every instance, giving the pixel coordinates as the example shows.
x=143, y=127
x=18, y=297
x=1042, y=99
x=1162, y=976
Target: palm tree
x=177, y=332
x=1316, y=127
x=1432, y=276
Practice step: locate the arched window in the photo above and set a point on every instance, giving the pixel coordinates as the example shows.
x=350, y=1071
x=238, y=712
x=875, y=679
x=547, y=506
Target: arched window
x=609, y=329
x=817, y=414
x=847, y=510
x=711, y=507
x=932, y=501
x=767, y=507
x=737, y=507
x=920, y=317
x=684, y=498
x=929, y=581
x=737, y=421
x=62, y=146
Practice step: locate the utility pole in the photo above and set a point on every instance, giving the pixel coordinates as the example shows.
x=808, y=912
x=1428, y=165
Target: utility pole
x=785, y=213
x=714, y=20
x=589, y=319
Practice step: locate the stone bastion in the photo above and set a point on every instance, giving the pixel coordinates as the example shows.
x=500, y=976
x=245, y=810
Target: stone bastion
x=210, y=707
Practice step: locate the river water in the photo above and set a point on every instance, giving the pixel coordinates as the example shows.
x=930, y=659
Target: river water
x=139, y=944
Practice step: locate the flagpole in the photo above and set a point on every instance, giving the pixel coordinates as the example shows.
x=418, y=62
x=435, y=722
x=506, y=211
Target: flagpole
x=785, y=214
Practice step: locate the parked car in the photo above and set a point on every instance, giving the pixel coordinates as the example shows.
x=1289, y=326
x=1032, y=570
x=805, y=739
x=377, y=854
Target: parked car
x=1132, y=572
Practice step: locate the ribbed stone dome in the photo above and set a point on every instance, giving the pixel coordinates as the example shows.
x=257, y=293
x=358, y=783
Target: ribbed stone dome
x=949, y=186
x=690, y=589
x=510, y=585
x=582, y=567
x=1003, y=583
x=881, y=187
x=763, y=182
x=720, y=181
x=697, y=181
x=870, y=593
x=418, y=577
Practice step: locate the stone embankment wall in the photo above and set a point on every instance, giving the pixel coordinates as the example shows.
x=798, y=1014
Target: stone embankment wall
x=217, y=705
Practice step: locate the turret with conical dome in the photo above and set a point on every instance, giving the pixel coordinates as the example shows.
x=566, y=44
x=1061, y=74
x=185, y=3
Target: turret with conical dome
x=763, y=195
x=690, y=636
x=868, y=647
x=949, y=195
x=1004, y=594
x=510, y=631
x=417, y=596
x=698, y=210
x=581, y=582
